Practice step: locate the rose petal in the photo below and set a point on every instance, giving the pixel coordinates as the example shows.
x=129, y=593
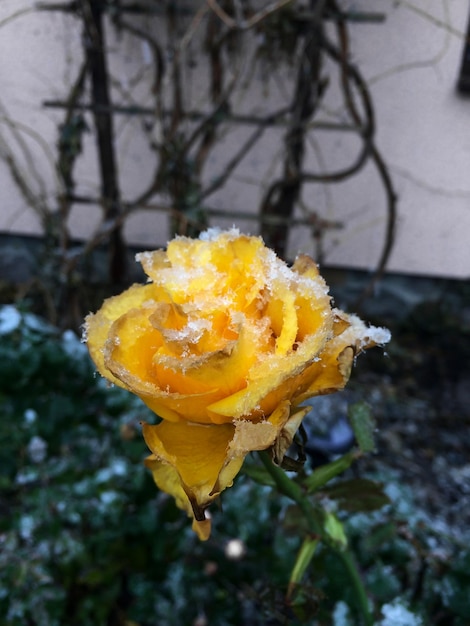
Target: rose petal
x=274, y=379
x=97, y=326
x=286, y=436
x=195, y=463
x=281, y=310
x=332, y=371
x=173, y=387
x=224, y=344
x=187, y=462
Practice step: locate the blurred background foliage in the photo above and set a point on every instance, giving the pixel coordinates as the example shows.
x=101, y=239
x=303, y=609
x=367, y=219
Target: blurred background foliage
x=86, y=539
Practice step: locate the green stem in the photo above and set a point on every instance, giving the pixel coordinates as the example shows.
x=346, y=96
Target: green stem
x=361, y=595
x=293, y=491
x=304, y=557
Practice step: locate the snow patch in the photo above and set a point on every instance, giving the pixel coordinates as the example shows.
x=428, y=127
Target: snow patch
x=396, y=614
x=192, y=332
x=37, y=449
x=211, y=234
x=30, y=416
x=341, y=614
x=379, y=335
x=10, y=319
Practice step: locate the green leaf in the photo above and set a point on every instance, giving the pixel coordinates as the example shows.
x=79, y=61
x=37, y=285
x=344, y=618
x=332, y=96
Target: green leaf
x=335, y=530
x=363, y=424
x=325, y=473
x=461, y=565
x=357, y=495
x=304, y=556
x=455, y=595
x=379, y=535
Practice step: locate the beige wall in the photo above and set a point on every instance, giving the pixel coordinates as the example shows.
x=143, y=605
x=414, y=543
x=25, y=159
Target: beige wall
x=411, y=63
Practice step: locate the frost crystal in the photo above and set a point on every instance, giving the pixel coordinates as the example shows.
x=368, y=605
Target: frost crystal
x=213, y=233
x=72, y=345
x=191, y=333
x=378, y=335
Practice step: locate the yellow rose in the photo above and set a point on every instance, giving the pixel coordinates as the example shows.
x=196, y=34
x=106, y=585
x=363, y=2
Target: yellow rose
x=224, y=342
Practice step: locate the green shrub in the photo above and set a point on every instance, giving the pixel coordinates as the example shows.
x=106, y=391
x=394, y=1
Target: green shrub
x=87, y=540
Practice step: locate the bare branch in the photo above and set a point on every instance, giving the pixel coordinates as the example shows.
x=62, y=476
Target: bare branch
x=241, y=24
x=431, y=18
x=16, y=15
x=235, y=160
x=159, y=64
